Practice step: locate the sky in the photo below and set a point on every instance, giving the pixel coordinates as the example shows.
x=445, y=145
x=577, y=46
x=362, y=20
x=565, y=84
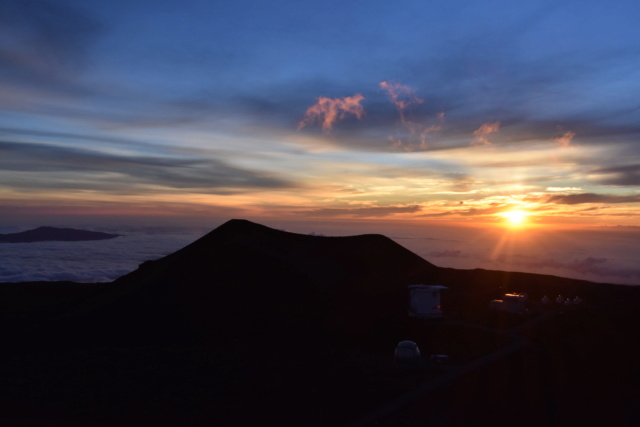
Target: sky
x=442, y=111
x=452, y=112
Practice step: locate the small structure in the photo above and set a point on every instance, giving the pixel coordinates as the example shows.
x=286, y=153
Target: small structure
x=439, y=358
x=407, y=353
x=511, y=303
x=424, y=301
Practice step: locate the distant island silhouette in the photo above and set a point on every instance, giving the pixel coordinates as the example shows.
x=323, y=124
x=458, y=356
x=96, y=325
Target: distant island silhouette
x=249, y=325
x=50, y=234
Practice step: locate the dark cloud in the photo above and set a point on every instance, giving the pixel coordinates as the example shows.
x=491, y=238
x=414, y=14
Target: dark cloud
x=471, y=211
x=483, y=211
x=143, y=212
x=576, y=199
x=44, y=42
x=47, y=54
x=438, y=214
x=39, y=135
x=460, y=182
x=148, y=110
x=376, y=212
x=619, y=175
x=93, y=169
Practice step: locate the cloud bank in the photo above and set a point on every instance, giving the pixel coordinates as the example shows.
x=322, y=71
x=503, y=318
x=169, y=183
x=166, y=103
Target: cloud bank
x=89, y=262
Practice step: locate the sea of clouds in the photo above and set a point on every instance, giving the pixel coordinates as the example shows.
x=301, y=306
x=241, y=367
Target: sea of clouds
x=90, y=261
x=606, y=255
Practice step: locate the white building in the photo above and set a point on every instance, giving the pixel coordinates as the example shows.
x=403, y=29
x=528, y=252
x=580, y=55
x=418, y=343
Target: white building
x=424, y=301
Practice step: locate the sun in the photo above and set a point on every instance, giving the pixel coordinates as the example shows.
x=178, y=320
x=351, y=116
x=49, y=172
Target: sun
x=515, y=218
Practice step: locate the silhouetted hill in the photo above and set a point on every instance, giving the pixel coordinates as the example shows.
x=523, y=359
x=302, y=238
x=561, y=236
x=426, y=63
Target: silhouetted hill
x=254, y=325
x=258, y=280
x=43, y=234
x=244, y=278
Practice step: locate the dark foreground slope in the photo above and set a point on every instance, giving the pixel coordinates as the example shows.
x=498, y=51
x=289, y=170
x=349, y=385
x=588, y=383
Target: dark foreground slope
x=254, y=325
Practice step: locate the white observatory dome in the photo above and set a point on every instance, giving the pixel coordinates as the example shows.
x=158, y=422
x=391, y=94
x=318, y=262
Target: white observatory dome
x=407, y=352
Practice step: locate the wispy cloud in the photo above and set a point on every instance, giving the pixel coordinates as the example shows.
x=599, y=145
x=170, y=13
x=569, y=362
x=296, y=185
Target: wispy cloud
x=328, y=111
x=562, y=189
x=401, y=96
x=565, y=140
x=480, y=135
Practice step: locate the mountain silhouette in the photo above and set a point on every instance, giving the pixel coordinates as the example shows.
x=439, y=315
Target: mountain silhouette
x=246, y=278
x=250, y=325
x=45, y=234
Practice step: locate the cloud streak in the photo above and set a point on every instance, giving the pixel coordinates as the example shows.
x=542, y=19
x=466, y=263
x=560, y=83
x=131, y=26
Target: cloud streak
x=581, y=198
x=86, y=169
x=624, y=175
x=362, y=212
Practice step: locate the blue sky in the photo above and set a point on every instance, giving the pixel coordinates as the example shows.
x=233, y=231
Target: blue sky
x=193, y=109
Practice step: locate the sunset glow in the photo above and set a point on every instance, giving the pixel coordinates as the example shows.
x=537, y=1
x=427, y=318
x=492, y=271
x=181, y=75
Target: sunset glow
x=515, y=218
x=431, y=115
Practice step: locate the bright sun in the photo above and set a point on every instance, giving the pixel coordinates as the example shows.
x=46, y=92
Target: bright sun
x=515, y=218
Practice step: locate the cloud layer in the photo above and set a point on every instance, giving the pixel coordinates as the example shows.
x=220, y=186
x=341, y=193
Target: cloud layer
x=89, y=262
x=106, y=260
x=561, y=253
x=87, y=169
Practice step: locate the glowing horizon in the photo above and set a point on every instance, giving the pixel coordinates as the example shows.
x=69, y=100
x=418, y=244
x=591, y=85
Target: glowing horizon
x=252, y=112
